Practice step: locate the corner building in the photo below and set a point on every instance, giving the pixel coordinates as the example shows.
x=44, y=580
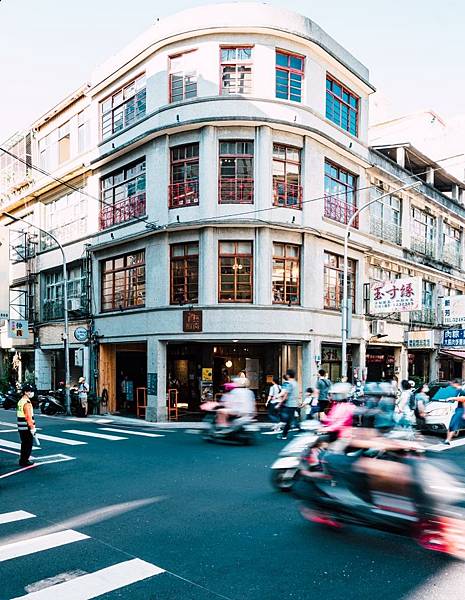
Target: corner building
x=233, y=150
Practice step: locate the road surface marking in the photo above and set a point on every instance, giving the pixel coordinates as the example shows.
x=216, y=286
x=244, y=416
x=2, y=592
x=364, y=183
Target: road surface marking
x=39, y=543
x=16, y=515
x=17, y=471
x=103, y=421
x=98, y=583
x=131, y=432
x=6, y=430
x=59, y=440
x=103, y=436
x=441, y=446
x=8, y=424
x=15, y=445
x=53, y=458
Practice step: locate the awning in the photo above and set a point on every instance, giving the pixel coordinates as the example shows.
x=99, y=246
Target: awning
x=460, y=354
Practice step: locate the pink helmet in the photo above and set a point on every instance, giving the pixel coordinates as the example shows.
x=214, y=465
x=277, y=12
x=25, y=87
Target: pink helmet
x=229, y=386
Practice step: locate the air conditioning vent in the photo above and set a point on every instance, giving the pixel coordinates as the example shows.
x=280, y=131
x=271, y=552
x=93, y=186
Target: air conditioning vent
x=378, y=327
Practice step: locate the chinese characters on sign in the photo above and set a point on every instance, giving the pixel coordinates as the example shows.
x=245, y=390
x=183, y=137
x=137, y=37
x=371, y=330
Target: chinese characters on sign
x=399, y=295
x=420, y=339
x=453, y=310
x=18, y=329
x=454, y=338
x=192, y=321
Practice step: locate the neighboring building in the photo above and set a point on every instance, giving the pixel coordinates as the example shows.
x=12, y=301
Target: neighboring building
x=221, y=155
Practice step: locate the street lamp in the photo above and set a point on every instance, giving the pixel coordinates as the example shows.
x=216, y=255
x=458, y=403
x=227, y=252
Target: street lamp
x=65, y=300
x=345, y=303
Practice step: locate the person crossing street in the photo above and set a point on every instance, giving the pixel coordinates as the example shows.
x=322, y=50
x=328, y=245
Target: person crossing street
x=26, y=424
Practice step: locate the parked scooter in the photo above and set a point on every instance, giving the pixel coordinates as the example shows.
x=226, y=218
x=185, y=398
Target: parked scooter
x=49, y=405
x=11, y=398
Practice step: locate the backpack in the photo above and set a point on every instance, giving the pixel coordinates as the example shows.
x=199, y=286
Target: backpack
x=412, y=401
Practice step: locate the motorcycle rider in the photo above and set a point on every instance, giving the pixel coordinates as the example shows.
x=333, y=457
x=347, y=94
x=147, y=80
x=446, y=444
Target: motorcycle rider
x=338, y=422
x=26, y=424
x=238, y=403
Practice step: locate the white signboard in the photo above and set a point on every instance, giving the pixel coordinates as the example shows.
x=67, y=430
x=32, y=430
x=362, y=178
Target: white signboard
x=453, y=310
x=399, y=295
x=18, y=329
x=4, y=274
x=420, y=339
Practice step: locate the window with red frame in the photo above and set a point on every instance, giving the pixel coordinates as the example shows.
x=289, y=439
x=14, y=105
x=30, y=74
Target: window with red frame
x=289, y=75
x=183, y=76
x=235, y=265
x=342, y=106
x=286, y=274
x=287, y=189
x=123, y=281
x=123, y=108
x=184, y=178
x=333, y=281
x=123, y=195
x=236, y=70
x=185, y=273
x=340, y=194
x=236, y=172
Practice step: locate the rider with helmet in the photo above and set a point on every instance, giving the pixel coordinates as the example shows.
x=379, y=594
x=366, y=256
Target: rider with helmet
x=379, y=406
x=340, y=417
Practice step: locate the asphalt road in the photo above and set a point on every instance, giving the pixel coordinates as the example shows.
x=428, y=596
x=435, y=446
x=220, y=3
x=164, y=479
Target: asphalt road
x=173, y=517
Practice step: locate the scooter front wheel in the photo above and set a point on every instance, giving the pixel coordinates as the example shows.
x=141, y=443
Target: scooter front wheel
x=283, y=479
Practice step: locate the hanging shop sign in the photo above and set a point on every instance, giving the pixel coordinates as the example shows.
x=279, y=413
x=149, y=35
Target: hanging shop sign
x=18, y=329
x=192, y=321
x=81, y=334
x=453, y=310
x=399, y=295
x=453, y=338
x=420, y=340
x=4, y=273
x=207, y=374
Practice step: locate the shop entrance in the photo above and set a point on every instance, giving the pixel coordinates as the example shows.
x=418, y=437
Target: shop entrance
x=331, y=361
x=380, y=364
x=131, y=373
x=418, y=366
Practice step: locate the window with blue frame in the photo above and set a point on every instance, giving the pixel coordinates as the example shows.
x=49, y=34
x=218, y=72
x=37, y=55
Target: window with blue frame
x=341, y=106
x=289, y=76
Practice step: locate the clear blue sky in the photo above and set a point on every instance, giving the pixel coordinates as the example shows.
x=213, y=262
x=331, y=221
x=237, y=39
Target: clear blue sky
x=414, y=49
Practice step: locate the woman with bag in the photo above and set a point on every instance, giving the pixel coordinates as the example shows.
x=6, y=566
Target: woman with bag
x=272, y=402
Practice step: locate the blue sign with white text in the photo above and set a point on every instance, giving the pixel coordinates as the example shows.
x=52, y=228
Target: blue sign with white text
x=454, y=337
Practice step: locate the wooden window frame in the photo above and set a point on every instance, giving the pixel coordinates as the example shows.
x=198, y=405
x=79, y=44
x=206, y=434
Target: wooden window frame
x=278, y=180
x=344, y=89
x=338, y=199
x=352, y=272
x=236, y=255
x=194, y=180
x=134, y=206
x=286, y=259
x=289, y=70
x=184, y=259
x=124, y=269
x=184, y=73
x=236, y=63
x=243, y=186
x=123, y=102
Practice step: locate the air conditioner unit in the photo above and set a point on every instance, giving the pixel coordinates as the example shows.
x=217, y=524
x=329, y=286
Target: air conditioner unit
x=74, y=304
x=378, y=327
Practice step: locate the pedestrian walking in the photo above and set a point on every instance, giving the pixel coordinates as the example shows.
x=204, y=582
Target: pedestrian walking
x=289, y=401
x=322, y=386
x=83, y=390
x=273, y=402
x=421, y=400
x=26, y=424
x=458, y=418
x=404, y=413
x=310, y=403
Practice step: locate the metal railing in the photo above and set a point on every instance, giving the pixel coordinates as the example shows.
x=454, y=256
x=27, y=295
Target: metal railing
x=422, y=245
x=339, y=210
x=125, y=210
x=287, y=194
x=54, y=309
x=184, y=193
x=391, y=232
x=235, y=190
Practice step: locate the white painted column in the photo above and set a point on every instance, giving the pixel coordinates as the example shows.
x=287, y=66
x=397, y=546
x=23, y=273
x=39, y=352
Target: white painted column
x=263, y=265
x=438, y=246
x=403, y=363
x=400, y=156
x=308, y=372
x=208, y=272
x=43, y=369
x=430, y=175
x=158, y=179
x=433, y=365
x=86, y=364
x=406, y=222
x=156, y=380
x=208, y=172
x=263, y=186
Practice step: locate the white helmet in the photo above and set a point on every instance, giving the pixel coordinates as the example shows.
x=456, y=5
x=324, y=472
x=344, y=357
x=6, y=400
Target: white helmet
x=340, y=391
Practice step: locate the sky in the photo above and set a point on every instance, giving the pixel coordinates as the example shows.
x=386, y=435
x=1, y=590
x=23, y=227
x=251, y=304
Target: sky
x=414, y=49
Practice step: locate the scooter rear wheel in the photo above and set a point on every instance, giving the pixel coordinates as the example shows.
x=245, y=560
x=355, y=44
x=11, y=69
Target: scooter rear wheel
x=279, y=480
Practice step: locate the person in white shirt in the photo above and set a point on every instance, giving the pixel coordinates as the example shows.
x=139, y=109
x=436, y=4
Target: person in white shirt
x=272, y=402
x=83, y=390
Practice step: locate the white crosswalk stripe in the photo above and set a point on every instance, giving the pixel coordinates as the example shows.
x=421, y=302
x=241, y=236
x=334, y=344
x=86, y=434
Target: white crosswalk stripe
x=8, y=444
x=127, y=431
x=40, y=543
x=15, y=515
x=103, y=436
x=98, y=583
x=59, y=440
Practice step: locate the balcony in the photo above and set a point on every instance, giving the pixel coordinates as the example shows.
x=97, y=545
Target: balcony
x=426, y=316
x=422, y=245
x=123, y=211
x=235, y=191
x=287, y=194
x=184, y=193
x=388, y=231
x=52, y=310
x=340, y=211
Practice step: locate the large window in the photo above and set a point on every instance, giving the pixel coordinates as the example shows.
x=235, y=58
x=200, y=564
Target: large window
x=427, y=314
x=333, y=281
x=184, y=273
x=83, y=130
x=289, y=75
x=52, y=292
x=48, y=151
x=286, y=274
x=287, y=189
x=385, y=217
x=123, y=195
x=123, y=282
x=236, y=172
x=235, y=271
x=451, y=244
x=340, y=194
x=341, y=106
x=123, y=108
x=236, y=70
x=65, y=218
x=184, y=182
x=423, y=236
x=183, y=76
x=64, y=143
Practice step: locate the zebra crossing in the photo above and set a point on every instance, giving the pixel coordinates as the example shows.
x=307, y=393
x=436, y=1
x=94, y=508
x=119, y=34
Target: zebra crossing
x=44, y=550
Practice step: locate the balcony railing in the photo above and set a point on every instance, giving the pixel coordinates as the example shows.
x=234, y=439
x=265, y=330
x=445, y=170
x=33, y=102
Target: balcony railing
x=287, y=194
x=391, y=232
x=422, y=245
x=184, y=193
x=53, y=309
x=451, y=256
x=426, y=316
x=340, y=211
x=235, y=191
x=122, y=211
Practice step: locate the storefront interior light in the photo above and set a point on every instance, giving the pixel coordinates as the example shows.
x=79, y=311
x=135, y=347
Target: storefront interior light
x=235, y=341
x=228, y=363
x=214, y=349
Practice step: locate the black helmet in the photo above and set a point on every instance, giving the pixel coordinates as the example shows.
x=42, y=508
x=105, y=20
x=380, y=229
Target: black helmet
x=27, y=387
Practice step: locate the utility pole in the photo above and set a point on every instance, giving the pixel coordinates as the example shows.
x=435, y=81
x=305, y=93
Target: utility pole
x=345, y=303
x=65, y=307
